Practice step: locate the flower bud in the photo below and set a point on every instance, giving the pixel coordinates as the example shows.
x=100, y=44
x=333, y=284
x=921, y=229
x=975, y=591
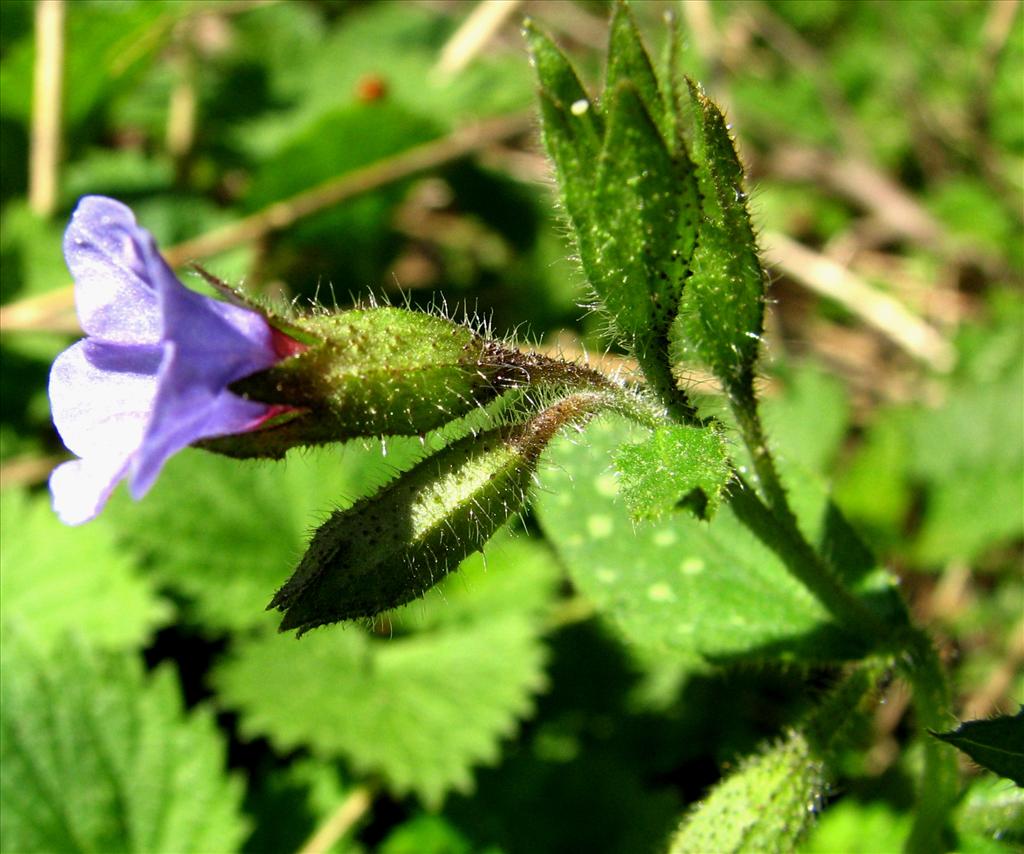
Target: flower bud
x=373, y=372
x=390, y=549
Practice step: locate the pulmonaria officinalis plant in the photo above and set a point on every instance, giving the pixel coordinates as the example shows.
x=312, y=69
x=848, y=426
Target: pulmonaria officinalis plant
x=653, y=192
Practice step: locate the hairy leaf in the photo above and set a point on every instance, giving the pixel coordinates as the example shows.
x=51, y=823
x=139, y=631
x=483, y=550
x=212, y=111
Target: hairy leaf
x=97, y=756
x=721, y=316
x=771, y=801
x=996, y=744
x=628, y=60
x=708, y=588
x=675, y=462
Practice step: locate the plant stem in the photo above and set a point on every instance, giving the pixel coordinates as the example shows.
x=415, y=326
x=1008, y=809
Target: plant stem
x=744, y=407
x=939, y=785
x=341, y=821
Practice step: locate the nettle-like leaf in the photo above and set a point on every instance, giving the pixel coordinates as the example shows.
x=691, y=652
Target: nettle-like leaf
x=996, y=744
x=97, y=756
x=713, y=589
x=55, y=577
x=420, y=708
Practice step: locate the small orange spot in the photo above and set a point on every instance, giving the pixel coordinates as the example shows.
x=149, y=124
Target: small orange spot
x=371, y=88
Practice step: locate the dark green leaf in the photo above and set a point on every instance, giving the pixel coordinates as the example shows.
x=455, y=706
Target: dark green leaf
x=996, y=744
x=721, y=316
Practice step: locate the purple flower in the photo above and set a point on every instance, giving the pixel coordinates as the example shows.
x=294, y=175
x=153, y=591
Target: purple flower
x=152, y=376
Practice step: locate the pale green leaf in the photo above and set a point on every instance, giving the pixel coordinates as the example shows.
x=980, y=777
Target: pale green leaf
x=854, y=827
x=421, y=708
x=808, y=420
x=672, y=464
x=97, y=756
x=57, y=579
x=992, y=808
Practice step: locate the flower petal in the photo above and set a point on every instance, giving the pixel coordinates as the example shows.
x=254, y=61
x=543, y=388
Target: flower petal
x=101, y=396
x=108, y=256
x=80, y=488
x=225, y=342
x=185, y=413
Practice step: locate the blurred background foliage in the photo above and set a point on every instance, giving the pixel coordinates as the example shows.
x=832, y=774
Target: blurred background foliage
x=329, y=150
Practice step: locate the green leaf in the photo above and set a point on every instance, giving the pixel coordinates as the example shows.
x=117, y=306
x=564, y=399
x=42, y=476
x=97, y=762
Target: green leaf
x=808, y=421
x=722, y=312
x=854, y=827
x=673, y=463
x=963, y=458
x=430, y=834
x=628, y=60
x=646, y=209
x=636, y=221
x=573, y=132
x=996, y=744
x=394, y=546
x=771, y=801
x=991, y=808
x=226, y=533
x=710, y=589
x=98, y=756
x=55, y=577
x=420, y=708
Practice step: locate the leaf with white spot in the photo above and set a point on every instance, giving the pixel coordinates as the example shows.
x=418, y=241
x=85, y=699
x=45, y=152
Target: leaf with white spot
x=695, y=587
x=676, y=463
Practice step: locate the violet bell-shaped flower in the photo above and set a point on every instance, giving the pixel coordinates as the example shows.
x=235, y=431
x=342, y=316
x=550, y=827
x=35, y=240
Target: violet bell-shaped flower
x=152, y=376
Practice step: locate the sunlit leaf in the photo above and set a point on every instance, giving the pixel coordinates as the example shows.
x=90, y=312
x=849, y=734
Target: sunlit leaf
x=98, y=756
